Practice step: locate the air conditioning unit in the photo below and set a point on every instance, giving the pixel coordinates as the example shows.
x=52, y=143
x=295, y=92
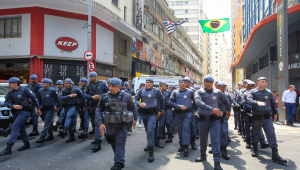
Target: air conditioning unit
x=146, y=7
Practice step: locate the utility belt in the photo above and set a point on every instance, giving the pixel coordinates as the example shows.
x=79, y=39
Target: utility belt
x=211, y=117
x=69, y=105
x=260, y=117
x=168, y=107
x=24, y=108
x=48, y=107
x=118, y=117
x=183, y=111
x=149, y=111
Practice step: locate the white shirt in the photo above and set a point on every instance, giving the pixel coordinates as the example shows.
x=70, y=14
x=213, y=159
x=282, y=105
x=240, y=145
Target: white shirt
x=289, y=97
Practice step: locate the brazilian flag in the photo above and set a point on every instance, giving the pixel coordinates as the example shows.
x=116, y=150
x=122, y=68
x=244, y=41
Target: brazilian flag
x=215, y=25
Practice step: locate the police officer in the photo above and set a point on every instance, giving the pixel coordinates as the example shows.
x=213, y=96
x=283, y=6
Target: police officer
x=224, y=122
x=209, y=118
x=50, y=83
x=151, y=104
x=130, y=90
x=48, y=98
x=169, y=117
x=94, y=90
x=70, y=97
x=236, y=107
x=123, y=88
x=248, y=117
x=116, y=103
x=182, y=100
x=241, y=92
x=193, y=127
x=262, y=101
x=17, y=98
x=34, y=87
x=160, y=120
x=60, y=110
x=84, y=115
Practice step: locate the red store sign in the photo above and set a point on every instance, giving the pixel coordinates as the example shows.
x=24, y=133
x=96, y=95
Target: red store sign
x=66, y=43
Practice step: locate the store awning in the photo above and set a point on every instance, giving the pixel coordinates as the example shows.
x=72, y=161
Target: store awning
x=262, y=34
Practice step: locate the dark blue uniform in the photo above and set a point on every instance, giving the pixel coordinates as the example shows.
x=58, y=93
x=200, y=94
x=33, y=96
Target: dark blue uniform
x=34, y=88
x=92, y=89
x=224, y=123
x=20, y=97
x=206, y=100
x=84, y=115
x=118, y=136
x=48, y=100
x=169, y=114
x=154, y=104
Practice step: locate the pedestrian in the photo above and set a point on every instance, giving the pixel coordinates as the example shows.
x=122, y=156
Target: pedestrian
x=262, y=101
x=289, y=104
x=182, y=100
x=70, y=97
x=84, y=115
x=94, y=90
x=34, y=86
x=116, y=101
x=151, y=105
x=210, y=119
x=17, y=99
x=48, y=98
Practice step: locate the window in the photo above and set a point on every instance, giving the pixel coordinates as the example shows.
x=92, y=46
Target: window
x=216, y=43
x=216, y=57
x=115, y=2
x=216, y=61
x=254, y=67
x=216, y=74
x=123, y=46
x=186, y=28
x=216, y=39
x=263, y=61
x=186, y=11
x=216, y=52
x=186, y=2
x=11, y=27
x=179, y=2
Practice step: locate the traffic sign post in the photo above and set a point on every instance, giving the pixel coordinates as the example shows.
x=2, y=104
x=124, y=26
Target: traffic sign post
x=88, y=55
x=91, y=66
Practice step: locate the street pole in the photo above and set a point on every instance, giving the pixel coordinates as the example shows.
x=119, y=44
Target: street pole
x=89, y=33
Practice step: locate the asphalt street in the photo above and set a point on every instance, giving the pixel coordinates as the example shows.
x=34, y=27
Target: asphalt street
x=57, y=154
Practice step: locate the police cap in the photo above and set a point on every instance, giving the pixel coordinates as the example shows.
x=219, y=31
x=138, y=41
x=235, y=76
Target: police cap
x=114, y=81
x=209, y=78
x=262, y=78
x=126, y=83
x=50, y=81
x=45, y=80
x=13, y=80
x=68, y=80
x=93, y=74
x=251, y=83
x=84, y=80
x=59, y=82
x=33, y=76
x=150, y=79
x=240, y=83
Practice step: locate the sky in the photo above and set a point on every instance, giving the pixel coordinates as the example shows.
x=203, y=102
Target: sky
x=215, y=9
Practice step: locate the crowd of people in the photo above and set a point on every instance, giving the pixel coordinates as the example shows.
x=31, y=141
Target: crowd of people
x=113, y=108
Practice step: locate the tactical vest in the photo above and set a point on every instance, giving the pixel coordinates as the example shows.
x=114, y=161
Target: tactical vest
x=71, y=100
x=261, y=96
x=47, y=98
x=34, y=88
x=209, y=99
x=149, y=97
x=94, y=89
x=114, y=112
x=184, y=98
x=223, y=107
x=18, y=97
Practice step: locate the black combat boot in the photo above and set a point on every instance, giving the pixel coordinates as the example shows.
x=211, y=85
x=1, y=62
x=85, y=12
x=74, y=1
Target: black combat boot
x=186, y=150
x=218, y=166
x=224, y=153
x=181, y=149
x=74, y=129
x=6, y=132
x=34, y=132
x=147, y=148
x=169, y=140
x=201, y=158
x=263, y=144
x=7, y=150
x=84, y=134
x=158, y=144
x=248, y=145
x=276, y=157
x=63, y=133
x=151, y=155
x=25, y=146
x=193, y=145
x=41, y=139
x=94, y=142
x=255, y=151
x=97, y=146
x=239, y=133
x=71, y=139
x=49, y=137
x=210, y=151
x=117, y=166
x=92, y=132
x=55, y=126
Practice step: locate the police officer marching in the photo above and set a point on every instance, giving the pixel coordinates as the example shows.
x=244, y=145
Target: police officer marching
x=18, y=99
x=262, y=101
x=94, y=90
x=224, y=122
x=113, y=108
x=169, y=117
x=130, y=90
x=209, y=118
x=48, y=98
x=84, y=115
x=60, y=110
x=182, y=100
x=70, y=97
x=151, y=105
x=236, y=106
x=34, y=86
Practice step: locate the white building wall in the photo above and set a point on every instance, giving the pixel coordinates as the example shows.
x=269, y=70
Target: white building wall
x=17, y=46
x=56, y=27
x=105, y=44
